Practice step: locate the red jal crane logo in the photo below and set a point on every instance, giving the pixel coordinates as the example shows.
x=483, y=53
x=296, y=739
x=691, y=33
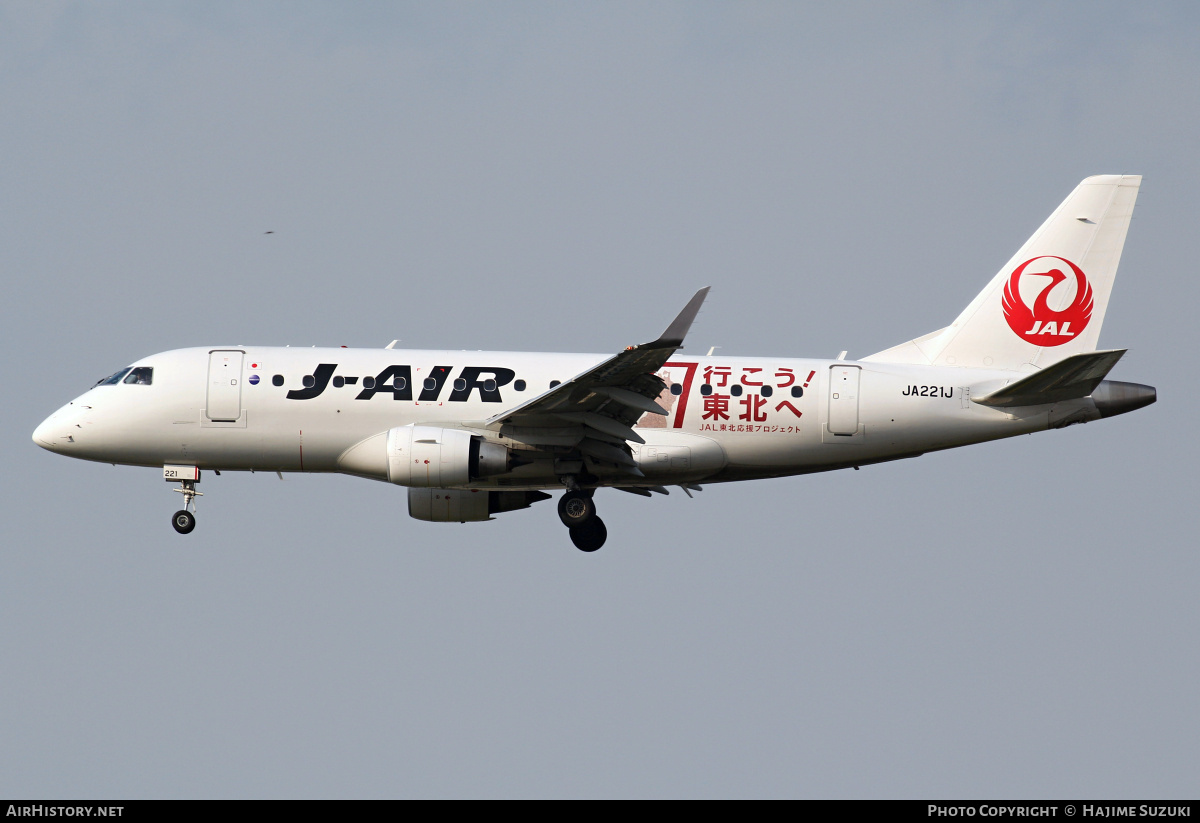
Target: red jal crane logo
x=1042, y=325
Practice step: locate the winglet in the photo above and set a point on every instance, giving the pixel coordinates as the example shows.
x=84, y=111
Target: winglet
x=673, y=336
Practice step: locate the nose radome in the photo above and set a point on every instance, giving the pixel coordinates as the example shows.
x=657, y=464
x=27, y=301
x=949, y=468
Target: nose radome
x=43, y=435
x=58, y=431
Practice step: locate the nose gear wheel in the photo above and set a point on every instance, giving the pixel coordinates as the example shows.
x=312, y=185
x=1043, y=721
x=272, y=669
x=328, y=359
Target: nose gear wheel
x=183, y=520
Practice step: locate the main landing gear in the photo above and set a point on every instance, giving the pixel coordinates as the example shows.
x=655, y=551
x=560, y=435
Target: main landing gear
x=183, y=520
x=577, y=510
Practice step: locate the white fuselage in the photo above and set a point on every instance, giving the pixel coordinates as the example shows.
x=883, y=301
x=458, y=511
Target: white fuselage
x=473, y=434
x=762, y=417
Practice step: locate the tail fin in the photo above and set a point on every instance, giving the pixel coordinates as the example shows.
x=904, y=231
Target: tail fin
x=1048, y=302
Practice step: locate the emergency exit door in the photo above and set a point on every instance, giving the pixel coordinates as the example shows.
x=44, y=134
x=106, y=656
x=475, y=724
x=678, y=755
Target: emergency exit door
x=224, y=401
x=843, y=399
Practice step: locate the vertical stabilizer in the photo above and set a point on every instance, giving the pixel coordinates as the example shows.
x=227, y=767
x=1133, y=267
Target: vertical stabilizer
x=1049, y=300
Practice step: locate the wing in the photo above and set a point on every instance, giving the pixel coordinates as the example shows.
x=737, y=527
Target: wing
x=589, y=419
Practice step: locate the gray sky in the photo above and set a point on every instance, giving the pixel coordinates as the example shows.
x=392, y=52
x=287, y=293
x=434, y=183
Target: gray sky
x=1016, y=619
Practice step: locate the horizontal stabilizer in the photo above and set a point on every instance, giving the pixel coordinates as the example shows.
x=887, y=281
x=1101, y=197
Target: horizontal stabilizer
x=1076, y=376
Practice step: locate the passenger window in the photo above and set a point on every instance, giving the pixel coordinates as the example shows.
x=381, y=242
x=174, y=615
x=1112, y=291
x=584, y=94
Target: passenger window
x=114, y=379
x=141, y=376
x=277, y=380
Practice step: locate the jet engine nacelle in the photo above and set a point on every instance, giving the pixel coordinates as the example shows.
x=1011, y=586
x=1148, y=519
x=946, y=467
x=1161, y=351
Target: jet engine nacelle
x=430, y=457
x=425, y=457
x=467, y=505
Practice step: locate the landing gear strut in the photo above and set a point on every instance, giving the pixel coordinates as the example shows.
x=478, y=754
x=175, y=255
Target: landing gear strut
x=183, y=520
x=577, y=510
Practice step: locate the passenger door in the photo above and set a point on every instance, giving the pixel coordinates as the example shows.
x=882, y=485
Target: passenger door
x=843, y=399
x=224, y=400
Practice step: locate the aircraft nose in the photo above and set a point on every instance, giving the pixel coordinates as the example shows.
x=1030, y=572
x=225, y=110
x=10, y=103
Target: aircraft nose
x=58, y=432
x=52, y=433
x=43, y=435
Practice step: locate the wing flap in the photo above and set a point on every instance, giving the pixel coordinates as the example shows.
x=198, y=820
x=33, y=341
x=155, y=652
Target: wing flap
x=603, y=451
x=605, y=425
x=542, y=436
x=632, y=399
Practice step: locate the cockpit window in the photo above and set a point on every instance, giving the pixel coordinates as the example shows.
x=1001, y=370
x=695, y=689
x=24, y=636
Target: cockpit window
x=141, y=376
x=115, y=379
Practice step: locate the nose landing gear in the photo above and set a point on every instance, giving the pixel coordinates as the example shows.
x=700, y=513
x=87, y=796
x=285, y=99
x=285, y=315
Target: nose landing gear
x=183, y=520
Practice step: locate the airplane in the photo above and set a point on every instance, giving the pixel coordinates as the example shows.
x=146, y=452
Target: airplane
x=476, y=434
